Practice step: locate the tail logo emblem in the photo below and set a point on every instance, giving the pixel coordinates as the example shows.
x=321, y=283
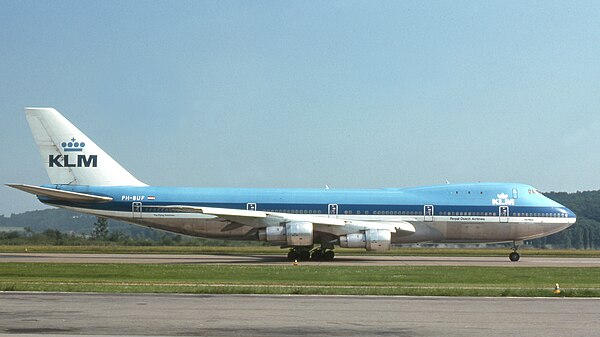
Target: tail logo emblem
x=80, y=160
x=73, y=145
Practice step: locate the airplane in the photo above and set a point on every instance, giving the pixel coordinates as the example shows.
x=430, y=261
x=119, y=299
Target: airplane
x=308, y=222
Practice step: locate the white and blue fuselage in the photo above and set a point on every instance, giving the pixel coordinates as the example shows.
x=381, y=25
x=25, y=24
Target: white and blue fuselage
x=86, y=179
x=479, y=212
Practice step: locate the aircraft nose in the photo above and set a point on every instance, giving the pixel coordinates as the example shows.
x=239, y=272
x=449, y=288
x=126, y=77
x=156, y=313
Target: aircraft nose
x=570, y=215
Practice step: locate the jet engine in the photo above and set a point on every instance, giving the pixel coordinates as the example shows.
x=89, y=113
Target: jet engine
x=378, y=240
x=295, y=233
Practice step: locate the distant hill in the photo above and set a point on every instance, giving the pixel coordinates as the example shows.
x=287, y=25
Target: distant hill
x=70, y=222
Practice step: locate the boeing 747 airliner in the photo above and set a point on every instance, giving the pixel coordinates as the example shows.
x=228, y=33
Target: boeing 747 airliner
x=309, y=222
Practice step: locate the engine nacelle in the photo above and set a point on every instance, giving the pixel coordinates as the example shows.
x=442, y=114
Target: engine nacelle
x=274, y=234
x=372, y=240
x=295, y=233
x=357, y=240
x=299, y=233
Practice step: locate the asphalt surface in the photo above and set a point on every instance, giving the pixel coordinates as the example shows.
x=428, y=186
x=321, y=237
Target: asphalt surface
x=37, y=314
x=360, y=260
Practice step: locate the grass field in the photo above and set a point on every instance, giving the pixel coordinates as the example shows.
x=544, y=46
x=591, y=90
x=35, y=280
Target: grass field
x=304, y=279
x=276, y=250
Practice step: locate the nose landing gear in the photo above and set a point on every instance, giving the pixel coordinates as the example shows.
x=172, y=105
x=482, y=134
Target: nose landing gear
x=514, y=256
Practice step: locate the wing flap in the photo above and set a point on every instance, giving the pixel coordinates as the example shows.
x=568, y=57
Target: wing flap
x=59, y=194
x=220, y=212
x=239, y=215
x=262, y=219
x=401, y=228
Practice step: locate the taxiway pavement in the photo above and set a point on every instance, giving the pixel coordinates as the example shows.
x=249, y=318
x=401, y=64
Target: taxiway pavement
x=358, y=260
x=40, y=314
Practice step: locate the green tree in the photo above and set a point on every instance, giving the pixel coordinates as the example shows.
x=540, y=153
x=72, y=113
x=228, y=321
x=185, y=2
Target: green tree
x=100, y=230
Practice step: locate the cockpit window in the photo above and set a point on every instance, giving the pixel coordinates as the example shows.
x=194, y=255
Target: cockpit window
x=534, y=191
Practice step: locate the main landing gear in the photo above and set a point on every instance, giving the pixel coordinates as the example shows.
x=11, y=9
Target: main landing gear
x=317, y=254
x=514, y=256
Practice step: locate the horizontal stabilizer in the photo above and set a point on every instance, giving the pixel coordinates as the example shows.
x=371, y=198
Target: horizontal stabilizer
x=59, y=194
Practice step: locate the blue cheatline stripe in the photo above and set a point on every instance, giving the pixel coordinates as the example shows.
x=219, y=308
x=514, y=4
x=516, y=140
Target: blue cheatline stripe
x=446, y=210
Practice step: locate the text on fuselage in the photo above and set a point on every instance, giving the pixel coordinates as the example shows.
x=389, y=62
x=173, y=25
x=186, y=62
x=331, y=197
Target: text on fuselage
x=133, y=197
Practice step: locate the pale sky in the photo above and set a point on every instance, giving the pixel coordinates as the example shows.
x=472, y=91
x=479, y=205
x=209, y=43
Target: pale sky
x=353, y=94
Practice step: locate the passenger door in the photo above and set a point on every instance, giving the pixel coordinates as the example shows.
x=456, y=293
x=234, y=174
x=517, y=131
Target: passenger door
x=332, y=210
x=428, y=212
x=503, y=212
x=136, y=209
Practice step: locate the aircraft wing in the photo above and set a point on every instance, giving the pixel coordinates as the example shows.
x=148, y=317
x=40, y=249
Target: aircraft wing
x=59, y=194
x=220, y=212
x=238, y=215
x=260, y=219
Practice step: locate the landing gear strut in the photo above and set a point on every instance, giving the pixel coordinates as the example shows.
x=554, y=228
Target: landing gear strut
x=318, y=254
x=300, y=255
x=514, y=256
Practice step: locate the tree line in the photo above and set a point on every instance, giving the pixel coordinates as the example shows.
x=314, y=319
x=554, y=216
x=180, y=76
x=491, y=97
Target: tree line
x=585, y=233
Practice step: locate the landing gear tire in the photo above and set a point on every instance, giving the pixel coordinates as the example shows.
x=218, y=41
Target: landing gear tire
x=514, y=256
x=317, y=255
x=304, y=255
x=328, y=255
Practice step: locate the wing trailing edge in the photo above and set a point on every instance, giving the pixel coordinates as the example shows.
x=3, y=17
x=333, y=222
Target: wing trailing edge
x=228, y=213
x=263, y=219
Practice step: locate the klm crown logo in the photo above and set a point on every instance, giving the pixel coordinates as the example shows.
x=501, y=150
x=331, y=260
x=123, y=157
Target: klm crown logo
x=79, y=160
x=73, y=145
x=503, y=200
x=502, y=196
